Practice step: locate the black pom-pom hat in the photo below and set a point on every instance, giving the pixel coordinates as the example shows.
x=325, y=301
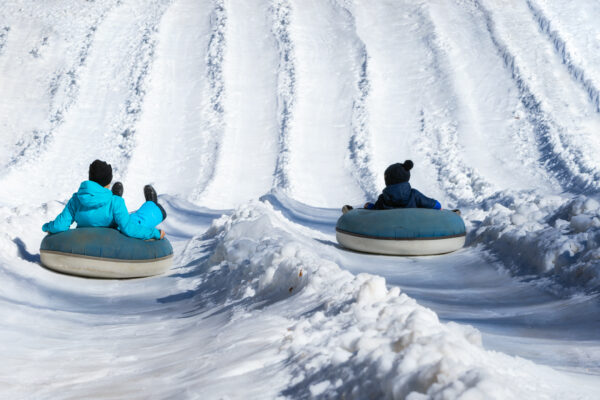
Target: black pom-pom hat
x=398, y=173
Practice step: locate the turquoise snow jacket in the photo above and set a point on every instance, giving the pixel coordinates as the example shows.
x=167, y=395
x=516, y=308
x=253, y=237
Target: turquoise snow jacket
x=94, y=205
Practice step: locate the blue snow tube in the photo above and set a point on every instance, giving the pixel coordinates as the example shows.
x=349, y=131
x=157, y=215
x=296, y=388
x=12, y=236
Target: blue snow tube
x=401, y=231
x=105, y=253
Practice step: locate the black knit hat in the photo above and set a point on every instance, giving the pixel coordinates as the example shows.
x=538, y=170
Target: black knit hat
x=100, y=172
x=398, y=173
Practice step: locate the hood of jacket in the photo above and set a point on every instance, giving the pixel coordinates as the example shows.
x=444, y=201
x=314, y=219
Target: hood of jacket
x=91, y=195
x=398, y=194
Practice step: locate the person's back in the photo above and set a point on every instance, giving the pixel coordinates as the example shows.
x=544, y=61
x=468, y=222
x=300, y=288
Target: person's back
x=402, y=195
x=94, y=205
x=398, y=193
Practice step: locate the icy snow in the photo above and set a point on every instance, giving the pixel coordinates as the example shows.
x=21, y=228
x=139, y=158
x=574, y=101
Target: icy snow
x=256, y=120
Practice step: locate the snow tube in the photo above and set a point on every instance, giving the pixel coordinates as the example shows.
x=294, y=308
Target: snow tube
x=401, y=231
x=105, y=253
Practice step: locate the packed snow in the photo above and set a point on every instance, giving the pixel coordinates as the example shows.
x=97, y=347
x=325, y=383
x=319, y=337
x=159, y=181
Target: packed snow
x=256, y=121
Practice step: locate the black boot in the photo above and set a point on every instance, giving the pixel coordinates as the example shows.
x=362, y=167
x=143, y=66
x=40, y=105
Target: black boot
x=117, y=189
x=150, y=194
x=162, y=210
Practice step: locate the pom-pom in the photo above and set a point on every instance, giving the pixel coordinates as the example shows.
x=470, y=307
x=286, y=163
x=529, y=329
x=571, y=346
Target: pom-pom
x=408, y=165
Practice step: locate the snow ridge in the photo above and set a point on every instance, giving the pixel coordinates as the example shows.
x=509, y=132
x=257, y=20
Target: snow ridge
x=360, y=140
x=4, y=31
x=214, y=111
x=215, y=55
x=349, y=336
x=548, y=238
x=282, y=14
x=561, y=48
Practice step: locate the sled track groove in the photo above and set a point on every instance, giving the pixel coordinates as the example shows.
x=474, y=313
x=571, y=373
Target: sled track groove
x=4, y=31
x=215, y=110
x=281, y=13
x=360, y=141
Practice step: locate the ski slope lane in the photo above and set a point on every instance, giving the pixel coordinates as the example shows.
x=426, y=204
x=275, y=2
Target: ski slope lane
x=414, y=103
x=250, y=142
x=395, y=65
x=328, y=61
x=178, y=131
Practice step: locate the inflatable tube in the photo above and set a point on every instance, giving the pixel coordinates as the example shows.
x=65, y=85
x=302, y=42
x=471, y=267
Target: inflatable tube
x=105, y=253
x=401, y=231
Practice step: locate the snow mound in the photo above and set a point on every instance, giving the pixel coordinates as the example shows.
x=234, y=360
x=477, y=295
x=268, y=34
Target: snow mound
x=349, y=336
x=550, y=237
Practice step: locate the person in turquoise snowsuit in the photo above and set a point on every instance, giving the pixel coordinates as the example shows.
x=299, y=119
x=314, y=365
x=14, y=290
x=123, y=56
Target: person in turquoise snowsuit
x=94, y=205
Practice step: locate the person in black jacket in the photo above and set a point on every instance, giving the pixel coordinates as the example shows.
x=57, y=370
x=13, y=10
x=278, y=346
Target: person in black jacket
x=398, y=193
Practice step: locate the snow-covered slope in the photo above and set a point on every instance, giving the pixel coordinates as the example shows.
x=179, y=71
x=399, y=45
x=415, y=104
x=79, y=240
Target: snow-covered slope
x=279, y=112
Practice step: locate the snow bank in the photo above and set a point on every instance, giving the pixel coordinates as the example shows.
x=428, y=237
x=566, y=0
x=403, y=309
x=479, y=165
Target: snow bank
x=350, y=336
x=547, y=236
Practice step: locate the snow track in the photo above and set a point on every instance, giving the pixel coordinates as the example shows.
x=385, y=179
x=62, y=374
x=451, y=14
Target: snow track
x=179, y=130
x=319, y=165
x=405, y=121
x=256, y=120
x=440, y=123
x=143, y=52
x=251, y=131
x=360, y=141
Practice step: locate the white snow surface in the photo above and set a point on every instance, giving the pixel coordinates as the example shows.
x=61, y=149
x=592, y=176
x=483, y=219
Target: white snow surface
x=256, y=120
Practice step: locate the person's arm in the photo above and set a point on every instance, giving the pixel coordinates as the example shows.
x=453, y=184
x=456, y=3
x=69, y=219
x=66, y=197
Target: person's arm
x=63, y=221
x=379, y=204
x=426, y=202
x=128, y=227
